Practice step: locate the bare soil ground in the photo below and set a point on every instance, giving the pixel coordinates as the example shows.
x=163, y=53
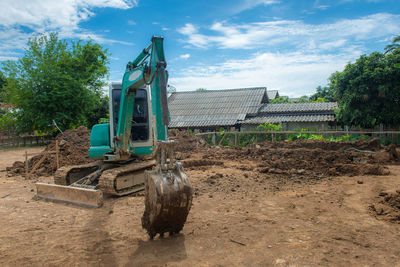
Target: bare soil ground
x=250, y=208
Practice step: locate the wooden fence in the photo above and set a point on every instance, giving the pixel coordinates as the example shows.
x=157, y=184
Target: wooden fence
x=233, y=138
x=21, y=141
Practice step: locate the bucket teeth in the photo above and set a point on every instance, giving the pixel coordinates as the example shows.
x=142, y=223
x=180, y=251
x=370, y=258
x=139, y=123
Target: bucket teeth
x=168, y=201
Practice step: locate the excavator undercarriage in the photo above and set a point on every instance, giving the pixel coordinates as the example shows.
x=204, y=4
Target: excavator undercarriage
x=168, y=193
x=84, y=185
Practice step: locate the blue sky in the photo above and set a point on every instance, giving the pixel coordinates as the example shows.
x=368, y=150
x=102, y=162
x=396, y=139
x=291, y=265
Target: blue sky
x=291, y=46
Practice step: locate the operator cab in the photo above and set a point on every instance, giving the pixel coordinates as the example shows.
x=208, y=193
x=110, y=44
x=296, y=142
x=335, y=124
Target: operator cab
x=140, y=130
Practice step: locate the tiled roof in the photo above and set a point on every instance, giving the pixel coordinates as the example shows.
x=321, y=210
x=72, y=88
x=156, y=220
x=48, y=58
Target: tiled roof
x=290, y=118
x=272, y=94
x=298, y=107
x=214, y=107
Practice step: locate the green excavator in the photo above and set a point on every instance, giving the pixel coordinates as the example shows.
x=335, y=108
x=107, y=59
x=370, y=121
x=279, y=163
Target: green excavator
x=133, y=151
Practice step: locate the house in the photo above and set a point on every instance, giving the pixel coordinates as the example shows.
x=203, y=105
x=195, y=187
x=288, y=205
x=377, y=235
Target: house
x=211, y=109
x=294, y=115
x=245, y=109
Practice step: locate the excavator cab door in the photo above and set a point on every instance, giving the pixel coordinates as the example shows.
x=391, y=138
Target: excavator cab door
x=141, y=130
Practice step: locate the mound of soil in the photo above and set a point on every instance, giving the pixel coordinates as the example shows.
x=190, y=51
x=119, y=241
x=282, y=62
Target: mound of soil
x=186, y=143
x=74, y=146
x=73, y=150
x=387, y=207
x=304, y=160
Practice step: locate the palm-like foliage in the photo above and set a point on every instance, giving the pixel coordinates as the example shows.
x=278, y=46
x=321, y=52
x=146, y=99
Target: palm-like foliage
x=393, y=46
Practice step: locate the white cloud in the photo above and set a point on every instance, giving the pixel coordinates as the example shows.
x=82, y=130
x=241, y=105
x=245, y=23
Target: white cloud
x=194, y=38
x=249, y=4
x=131, y=22
x=38, y=16
x=184, y=56
x=300, y=56
x=53, y=14
x=293, y=73
x=318, y=5
x=291, y=33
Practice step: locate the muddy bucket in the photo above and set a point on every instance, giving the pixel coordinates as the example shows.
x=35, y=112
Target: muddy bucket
x=168, y=200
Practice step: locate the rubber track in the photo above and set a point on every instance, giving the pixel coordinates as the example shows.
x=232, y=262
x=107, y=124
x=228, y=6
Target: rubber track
x=108, y=178
x=60, y=177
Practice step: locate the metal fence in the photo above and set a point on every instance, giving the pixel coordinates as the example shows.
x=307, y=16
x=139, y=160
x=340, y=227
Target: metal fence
x=235, y=138
x=21, y=141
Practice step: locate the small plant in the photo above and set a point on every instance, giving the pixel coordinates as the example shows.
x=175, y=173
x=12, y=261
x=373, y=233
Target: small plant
x=266, y=127
x=104, y=120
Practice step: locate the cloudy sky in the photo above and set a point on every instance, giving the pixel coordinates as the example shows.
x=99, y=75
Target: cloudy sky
x=292, y=46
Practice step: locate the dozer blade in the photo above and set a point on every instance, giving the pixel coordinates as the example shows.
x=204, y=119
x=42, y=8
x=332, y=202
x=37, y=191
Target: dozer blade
x=168, y=201
x=84, y=197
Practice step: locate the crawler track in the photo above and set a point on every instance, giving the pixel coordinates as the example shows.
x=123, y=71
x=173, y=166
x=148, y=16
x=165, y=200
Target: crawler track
x=125, y=180
x=118, y=180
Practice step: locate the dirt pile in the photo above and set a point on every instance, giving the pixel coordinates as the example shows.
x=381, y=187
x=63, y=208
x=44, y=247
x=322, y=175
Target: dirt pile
x=73, y=150
x=313, y=159
x=387, y=207
x=187, y=143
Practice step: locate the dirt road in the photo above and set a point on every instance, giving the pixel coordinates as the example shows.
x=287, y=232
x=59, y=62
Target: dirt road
x=237, y=219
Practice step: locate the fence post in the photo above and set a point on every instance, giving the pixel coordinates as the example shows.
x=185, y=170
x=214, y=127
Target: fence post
x=57, y=159
x=222, y=139
x=26, y=163
x=213, y=139
x=236, y=138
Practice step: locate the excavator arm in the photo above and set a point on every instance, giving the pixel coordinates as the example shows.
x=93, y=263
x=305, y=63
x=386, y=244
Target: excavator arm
x=141, y=72
x=167, y=188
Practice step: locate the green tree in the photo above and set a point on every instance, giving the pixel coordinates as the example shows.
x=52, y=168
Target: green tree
x=101, y=113
x=325, y=93
x=201, y=89
x=319, y=100
x=368, y=91
x=2, y=84
x=285, y=99
x=280, y=99
x=8, y=121
x=395, y=45
x=302, y=99
x=56, y=80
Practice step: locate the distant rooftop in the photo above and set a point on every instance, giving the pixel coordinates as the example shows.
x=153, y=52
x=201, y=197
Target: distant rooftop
x=272, y=94
x=298, y=107
x=214, y=107
x=230, y=107
x=289, y=118
x=294, y=112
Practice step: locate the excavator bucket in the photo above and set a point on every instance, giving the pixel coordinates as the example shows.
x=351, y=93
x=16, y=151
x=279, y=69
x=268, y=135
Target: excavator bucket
x=92, y=198
x=168, y=198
